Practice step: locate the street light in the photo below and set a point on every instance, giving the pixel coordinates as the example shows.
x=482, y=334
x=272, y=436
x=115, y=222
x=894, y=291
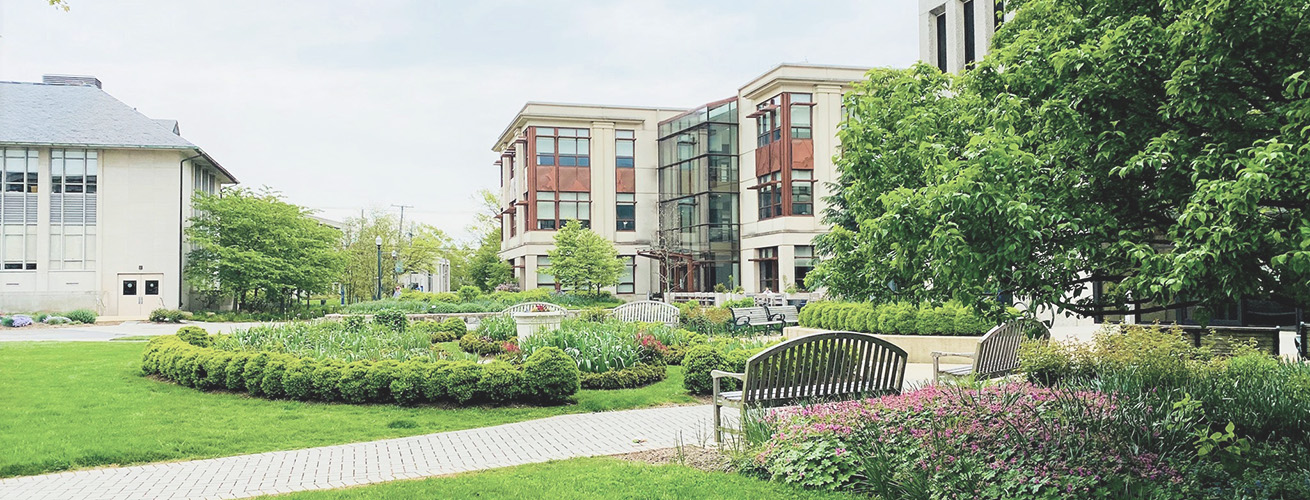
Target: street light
x=377, y=294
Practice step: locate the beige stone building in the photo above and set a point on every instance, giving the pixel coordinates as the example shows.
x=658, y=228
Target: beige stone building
x=93, y=199
x=727, y=193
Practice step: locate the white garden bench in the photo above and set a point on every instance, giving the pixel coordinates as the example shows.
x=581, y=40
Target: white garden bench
x=648, y=311
x=533, y=307
x=814, y=368
x=998, y=351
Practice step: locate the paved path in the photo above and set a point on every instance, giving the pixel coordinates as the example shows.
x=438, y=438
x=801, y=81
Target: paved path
x=565, y=436
x=95, y=333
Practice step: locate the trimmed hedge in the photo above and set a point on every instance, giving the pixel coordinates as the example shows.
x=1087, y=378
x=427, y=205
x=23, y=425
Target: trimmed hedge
x=547, y=376
x=626, y=378
x=480, y=345
x=444, y=331
x=703, y=358
x=894, y=319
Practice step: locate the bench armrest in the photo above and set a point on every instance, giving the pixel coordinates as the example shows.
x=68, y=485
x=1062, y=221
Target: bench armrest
x=940, y=354
x=718, y=374
x=742, y=321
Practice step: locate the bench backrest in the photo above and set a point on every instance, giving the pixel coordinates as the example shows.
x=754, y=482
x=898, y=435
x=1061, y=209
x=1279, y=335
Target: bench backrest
x=1221, y=339
x=998, y=351
x=824, y=366
x=790, y=314
x=532, y=307
x=648, y=311
x=753, y=315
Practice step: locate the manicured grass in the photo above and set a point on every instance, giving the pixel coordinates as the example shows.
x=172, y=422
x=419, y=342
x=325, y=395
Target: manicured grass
x=588, y=478
x=84, y=404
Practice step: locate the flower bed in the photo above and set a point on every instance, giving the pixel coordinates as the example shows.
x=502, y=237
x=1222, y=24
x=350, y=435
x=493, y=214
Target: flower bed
x=613, y=354
x=548, y=376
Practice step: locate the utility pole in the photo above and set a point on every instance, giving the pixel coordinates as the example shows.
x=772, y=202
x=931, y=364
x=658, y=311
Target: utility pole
x=402, y=217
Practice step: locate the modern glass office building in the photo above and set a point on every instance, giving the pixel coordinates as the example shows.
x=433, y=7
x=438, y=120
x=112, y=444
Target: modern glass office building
x=699, y=209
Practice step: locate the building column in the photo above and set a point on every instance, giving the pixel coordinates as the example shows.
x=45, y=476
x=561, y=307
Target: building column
x=603, y=187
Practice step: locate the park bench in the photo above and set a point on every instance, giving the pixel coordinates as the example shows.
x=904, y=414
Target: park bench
x=997, y=353
x=814, y=368
x=533, y=307
x=788, y=315
x=754, y=318
x=648, y=311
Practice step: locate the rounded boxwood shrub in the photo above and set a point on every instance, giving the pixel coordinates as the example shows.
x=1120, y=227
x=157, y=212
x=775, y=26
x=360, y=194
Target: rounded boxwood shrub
x=462, y=380
x=550, y=375
x=500, y=382
x=434, y=381
x=271, y=383
x=215, y=365
x=298, y=379
x=698, y=363
x=407, y=385
x=195, y=336
x=353, y=384
x=253, y=373
x=379, y=378
x=85, y=316
x=477, y=344
x=625, y=378
x=233, y=379
x=455, y=326
x=394, y=319
x=327, y=377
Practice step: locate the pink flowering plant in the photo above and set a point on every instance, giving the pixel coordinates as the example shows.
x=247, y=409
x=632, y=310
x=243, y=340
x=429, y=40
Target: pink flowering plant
x=1005, y=441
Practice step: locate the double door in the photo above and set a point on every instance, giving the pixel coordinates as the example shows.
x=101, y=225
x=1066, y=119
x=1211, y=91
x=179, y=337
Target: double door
x=138, y=294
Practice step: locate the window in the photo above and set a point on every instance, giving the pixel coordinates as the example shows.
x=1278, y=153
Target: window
x=969, y=33
x=625, y=146
x=625, y=212
x=543, y=279
x=553, y=213
x=767, y=124
x=941, y=41
x=18, y=202
x=566, y=147
x=73, y=180
x=767, y=258
x=802, y=192
x=770, y=195
x=152, y=287
x=129, y=287
x=800, y=116
x=805, y=262
x=628, y=279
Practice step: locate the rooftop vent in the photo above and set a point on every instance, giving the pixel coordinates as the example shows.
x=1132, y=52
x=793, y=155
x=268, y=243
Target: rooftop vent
x=83, y=81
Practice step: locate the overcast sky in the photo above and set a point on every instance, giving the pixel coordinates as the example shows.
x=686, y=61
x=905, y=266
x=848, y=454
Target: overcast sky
x=346, y=105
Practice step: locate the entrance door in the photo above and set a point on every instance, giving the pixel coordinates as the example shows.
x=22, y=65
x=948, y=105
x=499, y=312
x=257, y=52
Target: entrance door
x=138, y=294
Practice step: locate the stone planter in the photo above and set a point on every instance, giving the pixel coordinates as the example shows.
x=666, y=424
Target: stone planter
x=532, y=322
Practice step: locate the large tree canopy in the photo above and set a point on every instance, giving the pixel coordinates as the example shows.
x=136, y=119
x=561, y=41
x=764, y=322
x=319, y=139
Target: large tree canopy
x=1159, y=146
x=248, y=241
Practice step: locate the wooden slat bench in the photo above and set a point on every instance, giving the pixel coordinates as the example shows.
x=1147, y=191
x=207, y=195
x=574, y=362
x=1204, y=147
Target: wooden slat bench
x=648, y=311
x=788, y=315
x=814, y=368
x=754, y=318
x=998, y=351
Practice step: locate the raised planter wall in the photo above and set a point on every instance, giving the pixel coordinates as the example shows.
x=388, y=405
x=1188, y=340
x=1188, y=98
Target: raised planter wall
x=919, y=348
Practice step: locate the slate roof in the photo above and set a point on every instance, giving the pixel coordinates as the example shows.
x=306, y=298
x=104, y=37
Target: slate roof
x=82, y=116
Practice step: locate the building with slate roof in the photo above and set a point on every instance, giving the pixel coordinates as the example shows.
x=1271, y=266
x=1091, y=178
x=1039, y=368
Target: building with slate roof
x=93, y=199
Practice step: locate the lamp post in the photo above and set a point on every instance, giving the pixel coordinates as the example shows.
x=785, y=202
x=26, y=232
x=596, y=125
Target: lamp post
x=377, y=294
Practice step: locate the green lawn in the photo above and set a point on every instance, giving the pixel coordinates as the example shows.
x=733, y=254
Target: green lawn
x=608, y=478
x=83, y=404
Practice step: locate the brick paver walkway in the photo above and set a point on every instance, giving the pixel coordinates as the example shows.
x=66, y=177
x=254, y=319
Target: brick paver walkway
x=565, y=436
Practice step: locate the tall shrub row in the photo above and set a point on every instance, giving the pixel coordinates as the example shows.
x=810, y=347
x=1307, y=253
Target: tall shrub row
x=548, y=376
x=894, y=319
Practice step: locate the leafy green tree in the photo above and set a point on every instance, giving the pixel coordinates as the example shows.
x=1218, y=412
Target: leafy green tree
x=583, y=260
x=418, y=249
x=486, y=270
x=245, y=242
x=1161, y=147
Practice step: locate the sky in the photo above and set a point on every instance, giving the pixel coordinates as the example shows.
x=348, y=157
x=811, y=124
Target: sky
x=344, y=105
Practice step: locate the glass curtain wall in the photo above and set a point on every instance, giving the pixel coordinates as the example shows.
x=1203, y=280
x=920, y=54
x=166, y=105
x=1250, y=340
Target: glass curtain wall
x=699, y=211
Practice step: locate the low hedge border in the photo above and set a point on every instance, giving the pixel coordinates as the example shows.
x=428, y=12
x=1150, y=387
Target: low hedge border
x=627, y=378
x=894, y=319
x=548, y=376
